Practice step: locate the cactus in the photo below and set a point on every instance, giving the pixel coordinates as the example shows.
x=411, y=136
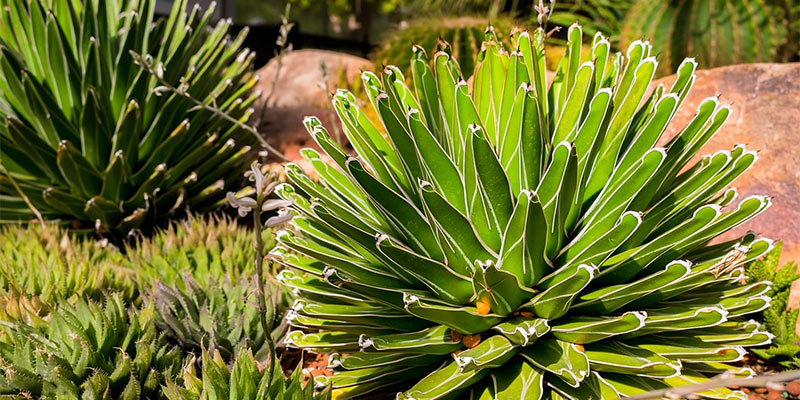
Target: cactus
x=716, y=32
x=460, y=36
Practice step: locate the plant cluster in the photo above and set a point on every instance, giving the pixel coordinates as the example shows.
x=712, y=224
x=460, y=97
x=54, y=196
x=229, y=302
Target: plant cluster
x=514, y=239
x=785, y=347
x=88, y=136
x=189, y=288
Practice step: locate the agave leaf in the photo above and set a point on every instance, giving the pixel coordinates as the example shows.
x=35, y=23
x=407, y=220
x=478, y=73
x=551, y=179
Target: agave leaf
x=503, y=289
x=404, y=215
x=523, y=331
x=522, y=251
x=437, y=340
x=447, y=380
x=690, y=349
x=516, y=380
x=362, y=359
x=565, y=360
x=465, y=320
x=440, y=279
x=611, y=356
x=490, y=353
x=555, y=193
x=330, y=340
x=456, y=234
x=439, y=168
x=584, y=330
x=560, y=290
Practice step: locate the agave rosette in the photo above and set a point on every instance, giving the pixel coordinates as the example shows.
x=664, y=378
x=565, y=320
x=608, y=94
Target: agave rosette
x=88, y=135
x=513, y=239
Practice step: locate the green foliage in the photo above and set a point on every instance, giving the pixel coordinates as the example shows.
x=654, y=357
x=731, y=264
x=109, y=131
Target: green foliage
x=207, y=248
x=716, y=33
x=221, y=316
x=244, y=380
x=462, y=38
x=87, y=351
x=52, y=263
x=785, y=347
x=522, y=241
x=89, y=136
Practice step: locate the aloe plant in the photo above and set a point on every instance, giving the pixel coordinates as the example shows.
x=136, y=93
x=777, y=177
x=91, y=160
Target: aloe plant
x=50, y=264
x=87, y=351
x=717, y=33
x=244, y=380
x=513, y=240
x=782, y=322
x=209, y=248
x=220, y=315
x=88, y=136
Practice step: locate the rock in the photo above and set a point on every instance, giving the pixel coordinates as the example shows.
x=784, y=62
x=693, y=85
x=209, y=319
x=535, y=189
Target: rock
x=298, y=83
x=765, y=117
x=793, y=388
x=793, y=302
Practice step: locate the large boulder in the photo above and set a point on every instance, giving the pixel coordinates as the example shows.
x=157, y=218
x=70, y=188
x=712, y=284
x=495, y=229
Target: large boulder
x=299, y=82
x=765, y=100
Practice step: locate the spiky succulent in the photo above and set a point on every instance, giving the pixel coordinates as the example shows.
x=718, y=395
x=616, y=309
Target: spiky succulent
x=51, y=263
x=219, y=316
x=207, y=248
x=522, y=241
x=87, y=351
x=87, y=135
x=717, y=33
x=244, y=380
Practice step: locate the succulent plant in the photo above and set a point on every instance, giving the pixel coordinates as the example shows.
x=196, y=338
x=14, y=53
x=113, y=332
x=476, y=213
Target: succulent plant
x=210, y=248
x=87, y=135
x=461, y=36
x=519, y=241
x=220, y=316
x=87, y=351
x=244, y=380
x=778, y=319
x=50, y=264
x=717, y=33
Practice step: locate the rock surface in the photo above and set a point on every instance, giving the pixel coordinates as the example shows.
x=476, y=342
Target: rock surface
x=299, y=82
x=766, y=117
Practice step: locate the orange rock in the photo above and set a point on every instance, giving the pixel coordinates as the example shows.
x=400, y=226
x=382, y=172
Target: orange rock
x=762, y=97
x=471, y=340
x=526, y=314
x=793, y=388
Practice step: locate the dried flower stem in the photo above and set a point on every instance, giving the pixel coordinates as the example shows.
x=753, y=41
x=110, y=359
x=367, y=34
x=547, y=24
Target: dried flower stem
x=283, y=47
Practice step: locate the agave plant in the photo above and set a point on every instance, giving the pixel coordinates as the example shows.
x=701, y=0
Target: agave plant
x=522, y=241
x=87, y=135
x=87, y=351
x=245, y=380
x=220, y=316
